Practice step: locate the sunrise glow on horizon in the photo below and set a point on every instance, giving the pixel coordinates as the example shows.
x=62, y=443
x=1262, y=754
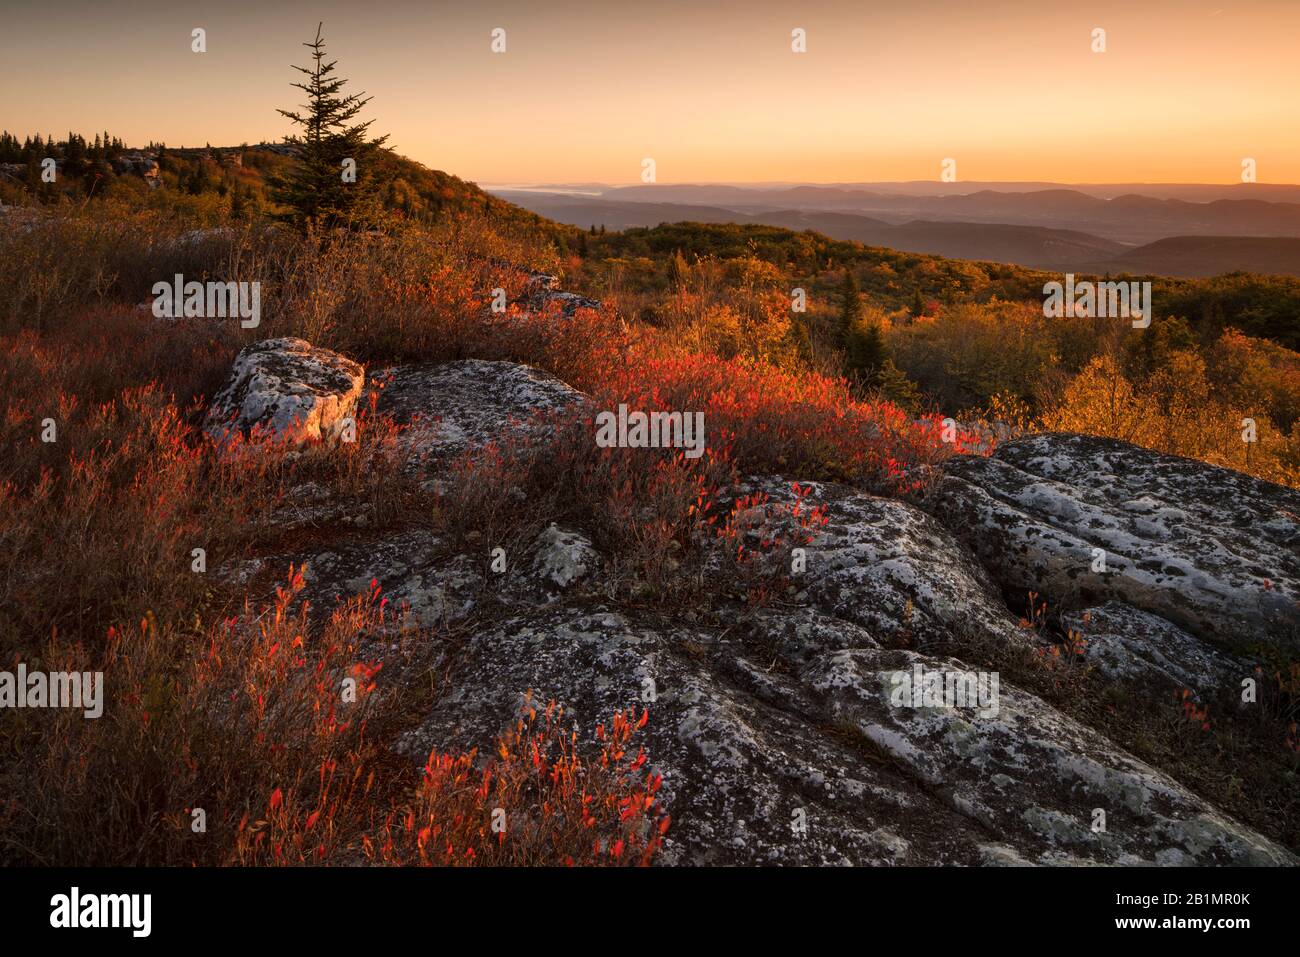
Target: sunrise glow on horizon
x=713, y=93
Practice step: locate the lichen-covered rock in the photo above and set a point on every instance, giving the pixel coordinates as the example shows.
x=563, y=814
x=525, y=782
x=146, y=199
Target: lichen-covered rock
x=541, y=282
x=1030, y=774
x=1128, y=644
x=426, y=584
x=286, y=391
x=563, y=556
x=768, y=761
x=798, y=635
x=894, y=570
x=453, y=406
x=739, y=772
x=1214, y=551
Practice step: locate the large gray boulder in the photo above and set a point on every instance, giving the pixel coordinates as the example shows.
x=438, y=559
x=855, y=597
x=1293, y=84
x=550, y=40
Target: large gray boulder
x=1211, y=550
x=286, y=392
x=448, y=408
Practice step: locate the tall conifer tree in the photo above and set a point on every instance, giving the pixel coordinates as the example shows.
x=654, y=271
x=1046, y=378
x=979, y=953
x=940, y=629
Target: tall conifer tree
x=315, y=189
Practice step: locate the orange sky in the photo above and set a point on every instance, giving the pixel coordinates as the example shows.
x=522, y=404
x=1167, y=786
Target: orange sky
x=710, y=90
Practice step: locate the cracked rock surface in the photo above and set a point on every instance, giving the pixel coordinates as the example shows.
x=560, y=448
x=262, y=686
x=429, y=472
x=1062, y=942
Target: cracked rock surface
x=1214, y=551
x=450, y=407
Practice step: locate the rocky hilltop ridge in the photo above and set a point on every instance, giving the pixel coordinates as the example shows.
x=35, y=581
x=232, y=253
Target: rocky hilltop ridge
x=780, y=731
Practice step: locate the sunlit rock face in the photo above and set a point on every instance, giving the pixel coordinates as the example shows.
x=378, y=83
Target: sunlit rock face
x=286, y=392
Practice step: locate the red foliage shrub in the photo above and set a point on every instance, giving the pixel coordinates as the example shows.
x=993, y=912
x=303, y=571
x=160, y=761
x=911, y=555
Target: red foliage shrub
x=536, y=801
x=769, y=420
x=205, y=720
x=758, y=536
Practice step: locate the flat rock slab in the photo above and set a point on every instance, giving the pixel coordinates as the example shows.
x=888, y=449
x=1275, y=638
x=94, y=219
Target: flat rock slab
x=427, y=583
x=1033, y=776
x=1212, y=550
x=769, y=761
x=286, y=391
x=739, y=771
x=433, y=591
x=454, y=406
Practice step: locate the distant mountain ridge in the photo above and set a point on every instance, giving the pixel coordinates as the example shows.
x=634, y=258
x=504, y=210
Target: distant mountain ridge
x=1204, y=256
x=1127, y=217
x=725, y=192
x=1049, y=228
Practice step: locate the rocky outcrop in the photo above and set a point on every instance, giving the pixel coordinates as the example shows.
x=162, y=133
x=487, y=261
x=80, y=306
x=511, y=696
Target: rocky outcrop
x=781, y=732
x=766, y=760
x=1040, y=780
x=450, y=407
x=1137, y=647
x=740, y=775
x=542, y=291
x=427, y=582
x=1081, y=520
x=720, y=753
x=286, y=392
x=142, y=164
x=889, y=567
x=424, y=585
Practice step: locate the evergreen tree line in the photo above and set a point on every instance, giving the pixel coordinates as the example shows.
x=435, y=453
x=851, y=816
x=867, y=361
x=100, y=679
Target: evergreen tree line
x=73, y=148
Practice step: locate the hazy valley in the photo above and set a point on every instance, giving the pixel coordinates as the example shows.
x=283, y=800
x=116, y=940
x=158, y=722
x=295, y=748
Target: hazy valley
x=1242, y=228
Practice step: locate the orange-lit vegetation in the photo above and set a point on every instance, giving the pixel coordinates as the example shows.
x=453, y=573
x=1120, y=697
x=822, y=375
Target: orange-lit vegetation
x=1171, y=387
x=210, y=719
x=233, y=744
x=970, y=339
x=653, y=510
x=536, y=800
x=222, y=703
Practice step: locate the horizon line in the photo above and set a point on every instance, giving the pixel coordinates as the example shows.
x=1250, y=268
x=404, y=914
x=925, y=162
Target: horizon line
x=872, y=182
